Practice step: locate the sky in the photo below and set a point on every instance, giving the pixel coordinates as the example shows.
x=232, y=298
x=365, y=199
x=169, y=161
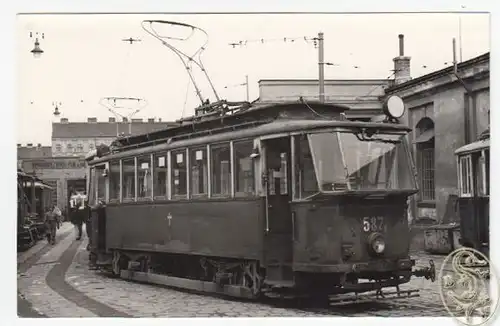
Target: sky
x=85, y=58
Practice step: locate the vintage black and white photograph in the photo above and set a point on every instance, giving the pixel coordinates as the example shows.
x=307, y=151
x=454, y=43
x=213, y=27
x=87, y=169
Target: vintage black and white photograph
x=254, y=165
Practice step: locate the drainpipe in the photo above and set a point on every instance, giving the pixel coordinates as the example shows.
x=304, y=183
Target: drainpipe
x=470, y=98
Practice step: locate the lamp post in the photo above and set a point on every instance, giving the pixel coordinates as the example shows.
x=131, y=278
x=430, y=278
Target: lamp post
x=56, y=106
x=37, y=51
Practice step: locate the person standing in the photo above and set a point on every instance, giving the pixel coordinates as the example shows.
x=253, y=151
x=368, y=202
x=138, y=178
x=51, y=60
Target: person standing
x=78, y=213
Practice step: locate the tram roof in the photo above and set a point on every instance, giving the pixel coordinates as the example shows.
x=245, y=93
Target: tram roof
x=240, y=112
x=278, y=126
x=473, y=147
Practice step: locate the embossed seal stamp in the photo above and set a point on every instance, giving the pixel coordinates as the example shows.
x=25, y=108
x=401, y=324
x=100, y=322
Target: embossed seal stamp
x=468, y=286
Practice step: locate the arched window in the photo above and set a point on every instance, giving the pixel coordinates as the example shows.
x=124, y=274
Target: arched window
x=425, y=158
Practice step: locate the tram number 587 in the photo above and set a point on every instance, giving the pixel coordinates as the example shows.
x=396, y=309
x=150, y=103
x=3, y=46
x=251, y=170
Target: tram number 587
x=373, y=224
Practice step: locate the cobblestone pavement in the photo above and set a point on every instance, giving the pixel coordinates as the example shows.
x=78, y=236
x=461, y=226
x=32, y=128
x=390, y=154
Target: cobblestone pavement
x=81, y=292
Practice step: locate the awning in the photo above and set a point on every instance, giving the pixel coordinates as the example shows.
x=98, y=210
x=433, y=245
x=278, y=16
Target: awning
x=425, y=136
x=473, y=147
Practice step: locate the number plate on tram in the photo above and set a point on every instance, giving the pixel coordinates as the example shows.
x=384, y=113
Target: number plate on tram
x=373, y=224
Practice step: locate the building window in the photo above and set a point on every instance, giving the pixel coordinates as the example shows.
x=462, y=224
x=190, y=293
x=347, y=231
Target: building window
x=144, y=182
x=160, y=175
x=79, y=148
x=69, y=148
x=199, y=172
x=465, y=176
x=128, y=179
x=114, y=181
x=220, y=156
x=425, y=146
x=244, y=168
x=91, y=146
x=179, y=174
x=58, y=148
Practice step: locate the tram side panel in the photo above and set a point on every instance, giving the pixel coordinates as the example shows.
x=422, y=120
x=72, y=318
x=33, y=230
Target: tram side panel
x=474, y=221
x=229, y=228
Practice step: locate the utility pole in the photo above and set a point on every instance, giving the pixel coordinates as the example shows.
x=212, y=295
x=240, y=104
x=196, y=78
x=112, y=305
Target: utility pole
x=321, y=66
x=460, y=35
x=248, y=90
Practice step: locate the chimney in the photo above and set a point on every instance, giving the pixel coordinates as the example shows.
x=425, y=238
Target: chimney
x=64, y=120
x=136, y=120
x=92, y=120
x=401, y=64
x=29, y=145
x=125, y=119
x=112, y=119
x=39, y=145
x=151, y=120
x=19, y=145
x=159, y=119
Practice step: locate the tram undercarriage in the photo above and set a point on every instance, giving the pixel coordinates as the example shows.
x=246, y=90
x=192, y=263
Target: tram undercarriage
x=246, y=279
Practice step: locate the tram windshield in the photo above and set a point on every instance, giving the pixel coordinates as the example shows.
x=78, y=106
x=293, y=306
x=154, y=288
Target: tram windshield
x=349, y=161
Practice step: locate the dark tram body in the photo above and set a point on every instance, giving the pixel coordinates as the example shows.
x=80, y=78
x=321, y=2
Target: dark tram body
x=33, y=199
x=248, y=199
x=473, y=162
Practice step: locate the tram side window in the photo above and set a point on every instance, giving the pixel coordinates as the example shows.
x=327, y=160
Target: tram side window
x=244, y=168
x=466, y=176
x=114, y=181
x=481, y=167
x=221, y=169
x=144, y=182
x=160, y=175
x=487, y=168
x=199, y=172
x=92, y=187
x=128, y=179
x=305, y=176
x=101, y=183
x=179, y=174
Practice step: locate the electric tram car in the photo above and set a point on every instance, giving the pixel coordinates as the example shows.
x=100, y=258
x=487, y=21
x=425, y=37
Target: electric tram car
x=251, y=199
x=473, y=166
x=33, y=198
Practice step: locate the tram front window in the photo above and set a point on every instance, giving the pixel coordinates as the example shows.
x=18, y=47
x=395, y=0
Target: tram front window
x=346, y=161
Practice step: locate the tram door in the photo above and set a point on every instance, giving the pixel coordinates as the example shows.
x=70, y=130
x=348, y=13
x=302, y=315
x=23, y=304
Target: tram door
x=278, y=229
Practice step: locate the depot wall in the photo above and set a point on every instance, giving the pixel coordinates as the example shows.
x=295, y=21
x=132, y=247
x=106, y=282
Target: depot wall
x=460, y=112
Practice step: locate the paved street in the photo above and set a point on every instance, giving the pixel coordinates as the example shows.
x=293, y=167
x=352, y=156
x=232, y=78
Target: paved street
x=54, y=281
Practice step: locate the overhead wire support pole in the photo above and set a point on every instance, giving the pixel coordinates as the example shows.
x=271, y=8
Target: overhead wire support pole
x=321, y=67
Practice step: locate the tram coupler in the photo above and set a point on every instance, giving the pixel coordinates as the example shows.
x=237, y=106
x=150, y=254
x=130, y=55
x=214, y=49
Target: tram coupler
x=427, y=272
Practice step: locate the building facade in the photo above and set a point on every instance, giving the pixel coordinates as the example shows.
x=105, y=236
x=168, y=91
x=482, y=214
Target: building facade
x=62, y=164
x=362, y=96
x=78, y=138
x=446, y=109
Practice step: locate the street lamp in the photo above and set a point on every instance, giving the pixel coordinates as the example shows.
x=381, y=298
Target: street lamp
x=56, y=108
x=37, y=51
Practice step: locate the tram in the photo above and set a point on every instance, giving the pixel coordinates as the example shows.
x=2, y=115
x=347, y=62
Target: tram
x=34, y=197
x=259, y=199
x=473, y=166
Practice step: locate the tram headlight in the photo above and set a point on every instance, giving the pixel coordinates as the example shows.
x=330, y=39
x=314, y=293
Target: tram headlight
x=377, y=243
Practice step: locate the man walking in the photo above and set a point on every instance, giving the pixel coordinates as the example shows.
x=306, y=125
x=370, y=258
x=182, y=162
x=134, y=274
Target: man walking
x=52, y=221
